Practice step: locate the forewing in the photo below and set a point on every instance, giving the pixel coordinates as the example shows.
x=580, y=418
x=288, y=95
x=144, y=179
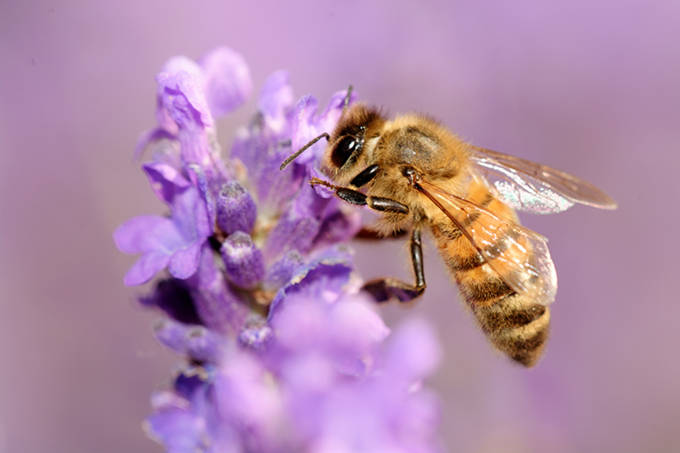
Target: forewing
x=517, y=254
x=527, y=186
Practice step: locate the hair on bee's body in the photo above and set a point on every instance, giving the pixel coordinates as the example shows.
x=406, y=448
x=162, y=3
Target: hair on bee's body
x=418, y=175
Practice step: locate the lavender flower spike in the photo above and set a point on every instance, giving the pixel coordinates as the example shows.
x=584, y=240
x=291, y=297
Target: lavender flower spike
x=281, y=350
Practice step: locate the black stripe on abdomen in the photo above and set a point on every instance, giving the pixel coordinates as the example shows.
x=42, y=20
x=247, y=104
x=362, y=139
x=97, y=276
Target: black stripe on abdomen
x=489, y=289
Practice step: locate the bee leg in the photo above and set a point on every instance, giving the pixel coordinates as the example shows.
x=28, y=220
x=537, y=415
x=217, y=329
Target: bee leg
x=366, y=176
x=355, y=197
x=385, y=289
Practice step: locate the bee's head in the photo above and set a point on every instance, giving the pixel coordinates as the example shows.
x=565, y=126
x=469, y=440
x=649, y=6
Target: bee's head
x=346, y=146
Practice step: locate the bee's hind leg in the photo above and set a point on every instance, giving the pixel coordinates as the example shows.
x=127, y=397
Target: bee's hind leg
x=385, y=289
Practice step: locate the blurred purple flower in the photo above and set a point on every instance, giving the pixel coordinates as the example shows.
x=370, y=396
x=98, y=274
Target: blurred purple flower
x=284, y=353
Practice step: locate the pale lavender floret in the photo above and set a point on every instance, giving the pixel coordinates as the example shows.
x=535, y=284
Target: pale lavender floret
x=189, y=96
x=218, y=306
x=282, y=270
x=205, y=345
x=197, y=342
x=176, y=425
x=316, y=372
x=254, y=144
x=171, y=334
x=206, y=187
x=306, y=124
x=265, y=143
x=332, y=388
x=222, y=84
x=276, y=101
x=311, y=222
x=186, y=418
x=236, y=209
x=226, y=82
x=322, y=278
x=298, y=227
x=256, y=334
x=378, y=413
x=244, y=263
x=173, y=242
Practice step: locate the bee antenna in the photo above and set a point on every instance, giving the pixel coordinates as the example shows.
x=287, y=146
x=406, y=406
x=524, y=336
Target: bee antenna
x=301, y=150
x=345, y=104
x=347, y=98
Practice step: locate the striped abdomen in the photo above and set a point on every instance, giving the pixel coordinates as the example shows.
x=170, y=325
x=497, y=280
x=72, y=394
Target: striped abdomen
x=513, y=323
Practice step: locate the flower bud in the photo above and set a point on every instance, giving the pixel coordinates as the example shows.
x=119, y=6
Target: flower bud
x=236, y=210
x=243, y=260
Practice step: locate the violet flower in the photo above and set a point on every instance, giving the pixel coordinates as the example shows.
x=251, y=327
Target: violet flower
x=283, y=351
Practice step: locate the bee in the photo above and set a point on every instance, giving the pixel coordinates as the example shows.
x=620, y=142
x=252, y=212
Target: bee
x=417, y=174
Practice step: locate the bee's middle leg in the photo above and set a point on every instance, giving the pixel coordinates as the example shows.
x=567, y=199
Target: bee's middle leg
x=385, y=289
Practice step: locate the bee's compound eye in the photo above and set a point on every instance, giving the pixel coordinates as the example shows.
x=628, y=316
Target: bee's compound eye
x=343, y=150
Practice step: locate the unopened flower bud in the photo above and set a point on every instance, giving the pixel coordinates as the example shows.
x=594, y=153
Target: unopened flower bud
x=236, y=210
x=243, y=260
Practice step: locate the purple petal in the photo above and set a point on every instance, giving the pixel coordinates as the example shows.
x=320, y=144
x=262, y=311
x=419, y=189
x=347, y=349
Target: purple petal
x=321, y=190
x=413, y=352
x=291, y=233
x=217, y=305
x=304, y=128
x=321, y=280
x=171, y=334
x=152, y=135
x=145, y=268
x=280, y=272
x=156, y=237
x=227, y=82
x=201, y=181
x=300, y=325
x=251, y=147
x=338, y=227
x=298, y=228
x=331, y=114
x=275, y=188
x=166, y=181
x=205, y=345
x=256, y=334
x=190, y=215
x=181, y=63
x=184, y=262
x=172, y=296
x=276, y=101
x=178, y=429
x=245, y=396
x=355, y=332
x=146, y=233
x=181, y=94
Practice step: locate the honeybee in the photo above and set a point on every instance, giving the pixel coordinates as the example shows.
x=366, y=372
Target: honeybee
x=417, y=174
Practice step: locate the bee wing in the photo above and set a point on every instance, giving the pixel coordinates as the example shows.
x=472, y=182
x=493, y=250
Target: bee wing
x=527, y=186
x=517, y=254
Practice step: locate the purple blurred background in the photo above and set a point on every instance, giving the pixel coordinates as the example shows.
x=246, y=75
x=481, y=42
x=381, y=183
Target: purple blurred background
x=589, y=87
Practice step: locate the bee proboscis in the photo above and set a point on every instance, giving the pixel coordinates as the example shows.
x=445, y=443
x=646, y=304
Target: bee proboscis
x=416, y=174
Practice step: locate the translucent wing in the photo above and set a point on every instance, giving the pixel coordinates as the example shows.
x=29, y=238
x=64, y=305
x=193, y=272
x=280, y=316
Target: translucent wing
x=518, y=255
x=527, y=186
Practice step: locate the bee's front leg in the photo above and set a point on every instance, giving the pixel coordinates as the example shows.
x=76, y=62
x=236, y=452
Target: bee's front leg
x=355, y=197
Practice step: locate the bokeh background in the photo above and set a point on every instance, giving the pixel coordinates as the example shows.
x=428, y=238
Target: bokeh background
x=587, y=86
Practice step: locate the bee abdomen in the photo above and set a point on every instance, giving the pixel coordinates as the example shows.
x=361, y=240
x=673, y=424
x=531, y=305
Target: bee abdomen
x=516, y=326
